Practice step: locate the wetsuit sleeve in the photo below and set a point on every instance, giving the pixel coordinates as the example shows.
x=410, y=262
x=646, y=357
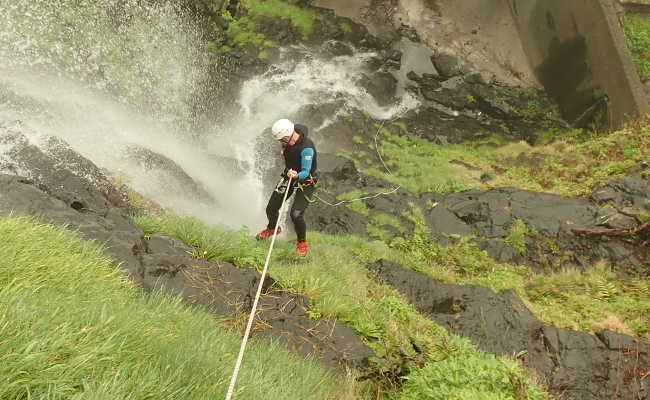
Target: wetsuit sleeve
x=306, y=157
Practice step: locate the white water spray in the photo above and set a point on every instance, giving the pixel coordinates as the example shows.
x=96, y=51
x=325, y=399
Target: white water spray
x=122, y=78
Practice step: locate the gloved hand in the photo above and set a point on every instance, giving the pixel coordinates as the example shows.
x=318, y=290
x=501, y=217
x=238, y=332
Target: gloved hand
x=292, y=174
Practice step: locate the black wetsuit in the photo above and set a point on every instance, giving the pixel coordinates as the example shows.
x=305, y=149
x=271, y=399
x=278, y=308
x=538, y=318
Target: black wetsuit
x=300, y=157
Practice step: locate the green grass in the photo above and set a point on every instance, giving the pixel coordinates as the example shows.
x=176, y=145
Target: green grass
x=335, y=279
x=72, y=327
x=495, y=380
x=243, y=31
x=301, y=18
x=637, y=35
x=582, y=300
x=572, y=165
x=591, y=300
x=517, y=236
x=420, y=166
x=353, y=204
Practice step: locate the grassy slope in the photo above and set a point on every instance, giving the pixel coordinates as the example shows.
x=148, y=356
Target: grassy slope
x=71, y=327
x=337, y=283
x=573, y=164
x=339, y=286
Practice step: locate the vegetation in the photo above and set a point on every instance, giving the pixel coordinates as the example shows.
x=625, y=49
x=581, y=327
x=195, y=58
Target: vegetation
x=583, y=300
x=339, y=286
x=68, y=321
x=591, y=300
x=570, y=165
x=637, y=35
x=243, y=31
x=73, y=327
x=300, y=18
x=412, y=349
x=517, y=237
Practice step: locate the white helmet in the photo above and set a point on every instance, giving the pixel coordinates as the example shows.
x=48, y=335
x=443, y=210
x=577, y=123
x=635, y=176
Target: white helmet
x=282, y=128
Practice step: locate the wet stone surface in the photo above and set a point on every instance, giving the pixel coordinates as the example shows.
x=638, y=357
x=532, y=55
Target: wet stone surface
x=559, y=230
x=579, y=365
x=164, y=263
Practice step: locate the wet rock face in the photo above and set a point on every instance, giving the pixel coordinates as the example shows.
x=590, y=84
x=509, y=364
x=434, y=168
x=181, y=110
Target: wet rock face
x=448, y=65
x=381, y=85
x=631, y=192
x=576, y=364
x=336, y=217
x=87, y=188
x=151, y=161
x=556, y=228
x=558, y=231
x=457, y=101
x=58, y=196
x=225, y=289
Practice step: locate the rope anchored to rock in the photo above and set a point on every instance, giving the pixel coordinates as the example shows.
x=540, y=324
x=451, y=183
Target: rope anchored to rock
x=233, y=379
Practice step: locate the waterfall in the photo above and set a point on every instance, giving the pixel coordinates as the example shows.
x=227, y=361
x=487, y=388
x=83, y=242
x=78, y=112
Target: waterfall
x=116, y=81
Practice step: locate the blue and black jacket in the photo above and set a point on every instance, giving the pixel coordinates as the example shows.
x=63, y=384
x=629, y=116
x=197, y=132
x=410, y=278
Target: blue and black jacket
x=302, y=157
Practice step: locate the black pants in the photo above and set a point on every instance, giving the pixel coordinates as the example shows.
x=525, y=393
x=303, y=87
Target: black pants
x=300, y=204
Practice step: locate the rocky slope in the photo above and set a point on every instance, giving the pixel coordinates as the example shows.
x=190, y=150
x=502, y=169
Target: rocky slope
x=455, y=104
x=88, y=203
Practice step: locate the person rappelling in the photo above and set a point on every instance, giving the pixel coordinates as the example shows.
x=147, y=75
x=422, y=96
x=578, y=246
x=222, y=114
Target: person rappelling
x=300, y=175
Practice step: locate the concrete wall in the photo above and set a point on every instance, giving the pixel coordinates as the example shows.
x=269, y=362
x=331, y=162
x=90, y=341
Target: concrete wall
x=481, y=32
x=578, y=51
x=575, y=49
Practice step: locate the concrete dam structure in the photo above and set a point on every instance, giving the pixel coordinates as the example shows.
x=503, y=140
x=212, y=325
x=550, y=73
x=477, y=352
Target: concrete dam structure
x=579, y=55
x=573, y=49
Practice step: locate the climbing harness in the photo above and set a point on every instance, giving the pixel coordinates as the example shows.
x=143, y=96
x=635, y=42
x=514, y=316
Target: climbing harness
x=235, y=373
x=310, y=181
x=282, y=186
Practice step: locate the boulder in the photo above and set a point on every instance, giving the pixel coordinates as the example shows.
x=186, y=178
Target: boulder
x=579, y=365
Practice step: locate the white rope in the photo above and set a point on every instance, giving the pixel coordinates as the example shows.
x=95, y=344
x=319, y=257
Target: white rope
x=395, y=189
x=233, y=379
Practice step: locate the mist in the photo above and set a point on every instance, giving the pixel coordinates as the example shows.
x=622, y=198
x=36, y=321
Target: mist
x=119, y=89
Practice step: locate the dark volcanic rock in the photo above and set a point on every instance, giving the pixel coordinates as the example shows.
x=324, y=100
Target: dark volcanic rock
x=576, y=364
x=447, y=65
x=164, y=263
x=79, y=182
x=336, y=217
x=557, y=228
x=512, y=112
x=104, y=223
x=225, y=289
x=149, y=160
x=554, y=225
x=632, y=191
x=381, y=85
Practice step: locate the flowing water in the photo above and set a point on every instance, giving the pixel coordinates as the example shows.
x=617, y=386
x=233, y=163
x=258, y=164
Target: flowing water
x=117, y=80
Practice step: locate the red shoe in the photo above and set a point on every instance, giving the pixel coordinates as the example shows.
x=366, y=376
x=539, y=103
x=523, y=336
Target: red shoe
x=266, y=233
x=301, y=248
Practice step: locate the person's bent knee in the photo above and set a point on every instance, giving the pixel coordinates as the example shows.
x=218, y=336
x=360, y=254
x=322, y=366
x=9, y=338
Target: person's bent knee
x=296, y=214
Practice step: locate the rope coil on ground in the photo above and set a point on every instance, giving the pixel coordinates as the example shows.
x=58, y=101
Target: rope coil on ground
x=242, y=348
